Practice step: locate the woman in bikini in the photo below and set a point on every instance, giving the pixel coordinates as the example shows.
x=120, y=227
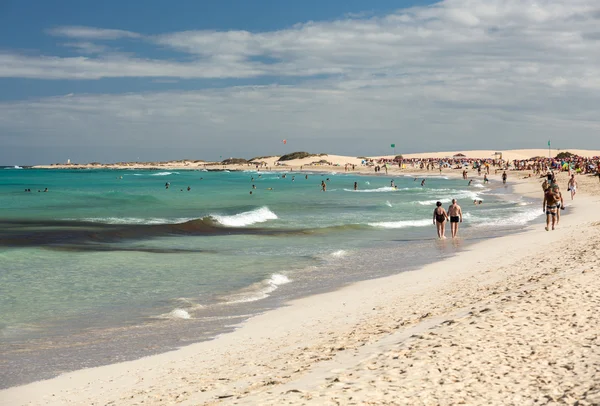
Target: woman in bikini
x=439, y=220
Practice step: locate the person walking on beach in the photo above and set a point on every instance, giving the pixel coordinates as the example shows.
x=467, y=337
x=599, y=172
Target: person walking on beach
x=504, y=176
x=572, y=186
x=549, y=207
x=439, y=220
x=455, y=214
x=560, y=204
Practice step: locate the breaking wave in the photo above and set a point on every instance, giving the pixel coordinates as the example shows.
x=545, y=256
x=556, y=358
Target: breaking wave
x=402, y=223
x=258, y=291
x=246, y=218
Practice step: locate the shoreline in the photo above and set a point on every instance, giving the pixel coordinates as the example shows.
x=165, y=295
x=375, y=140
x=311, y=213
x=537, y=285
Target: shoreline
x=111, y=355
x=330, y=323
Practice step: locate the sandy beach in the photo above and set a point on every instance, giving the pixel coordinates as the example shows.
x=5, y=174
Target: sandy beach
x=320, y=162
x=510, y=320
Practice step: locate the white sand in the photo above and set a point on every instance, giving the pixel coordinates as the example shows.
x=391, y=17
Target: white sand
x=512, y=320
x=335, y=160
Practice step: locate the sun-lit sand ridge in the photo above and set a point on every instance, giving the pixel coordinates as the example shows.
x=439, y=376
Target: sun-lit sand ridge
x=334, y=160
x=512, y=320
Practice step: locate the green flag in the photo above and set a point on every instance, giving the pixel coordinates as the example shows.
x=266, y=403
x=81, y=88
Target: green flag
x=393, y=145
x=548, y=142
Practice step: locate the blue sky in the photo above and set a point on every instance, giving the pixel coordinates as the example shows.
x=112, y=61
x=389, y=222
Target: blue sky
x=113, y=80
x=24, y=26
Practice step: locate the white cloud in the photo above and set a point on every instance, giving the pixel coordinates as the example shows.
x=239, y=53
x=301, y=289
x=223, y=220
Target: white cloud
x=460, y=71
x=80, y=32
x=484, y=38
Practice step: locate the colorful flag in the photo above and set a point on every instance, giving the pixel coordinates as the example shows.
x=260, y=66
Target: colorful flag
x=548, y=142
x=393, y=145
x=284, y=141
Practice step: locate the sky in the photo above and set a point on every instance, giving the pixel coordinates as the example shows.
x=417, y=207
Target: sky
x=155, y=80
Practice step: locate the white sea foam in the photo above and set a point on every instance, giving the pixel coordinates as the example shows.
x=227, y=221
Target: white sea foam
x=458, y=196
x=402, y=223
x=367, y=182
x=180, y=314
x=478, y=185
x=259, y=291
x=510, y=219
x=339, y=253
x=17, y=167
x=164, y=173
x=246, y=218
x=388, y=204
x=378, y=190
x=431, y=202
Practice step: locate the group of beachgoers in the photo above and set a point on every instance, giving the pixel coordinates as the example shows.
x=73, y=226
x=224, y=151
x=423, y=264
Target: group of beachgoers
x=571, y=164
x=39, y=190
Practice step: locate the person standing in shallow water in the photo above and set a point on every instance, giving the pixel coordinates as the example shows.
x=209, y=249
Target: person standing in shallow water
x=455, y=214
x=439, y=220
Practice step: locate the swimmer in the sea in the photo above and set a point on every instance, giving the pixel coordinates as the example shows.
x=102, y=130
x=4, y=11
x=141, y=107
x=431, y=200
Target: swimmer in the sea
x=423, y=182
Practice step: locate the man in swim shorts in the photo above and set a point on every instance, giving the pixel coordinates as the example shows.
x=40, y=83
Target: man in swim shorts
x=455, y=214
x=549, y=207
x=572, y=186
x=439, y=220
x=560, y=204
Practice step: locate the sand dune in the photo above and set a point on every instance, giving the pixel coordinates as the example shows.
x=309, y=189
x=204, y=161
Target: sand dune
x=334, y=160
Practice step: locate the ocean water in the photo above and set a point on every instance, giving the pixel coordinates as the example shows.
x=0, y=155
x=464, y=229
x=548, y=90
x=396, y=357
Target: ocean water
x=110, y=265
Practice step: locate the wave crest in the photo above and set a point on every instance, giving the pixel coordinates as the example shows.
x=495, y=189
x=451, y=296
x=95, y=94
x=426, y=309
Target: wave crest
x=259, y=291
x=402, y=224
x=247, y=218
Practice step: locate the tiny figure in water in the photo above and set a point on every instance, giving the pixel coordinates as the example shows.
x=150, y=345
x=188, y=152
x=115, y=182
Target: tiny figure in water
x=470, y=182
x=355, y=185
x=392, y=183
x=323, y=186
x=423, y=182
x=167, y=185
x=305, y=176
x=253, y=186
x=189, y=188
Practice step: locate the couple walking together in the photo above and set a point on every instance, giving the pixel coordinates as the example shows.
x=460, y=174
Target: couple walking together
x=440, y=216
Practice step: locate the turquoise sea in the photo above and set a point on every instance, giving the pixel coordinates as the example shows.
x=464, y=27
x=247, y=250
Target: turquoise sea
x=110, y=265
